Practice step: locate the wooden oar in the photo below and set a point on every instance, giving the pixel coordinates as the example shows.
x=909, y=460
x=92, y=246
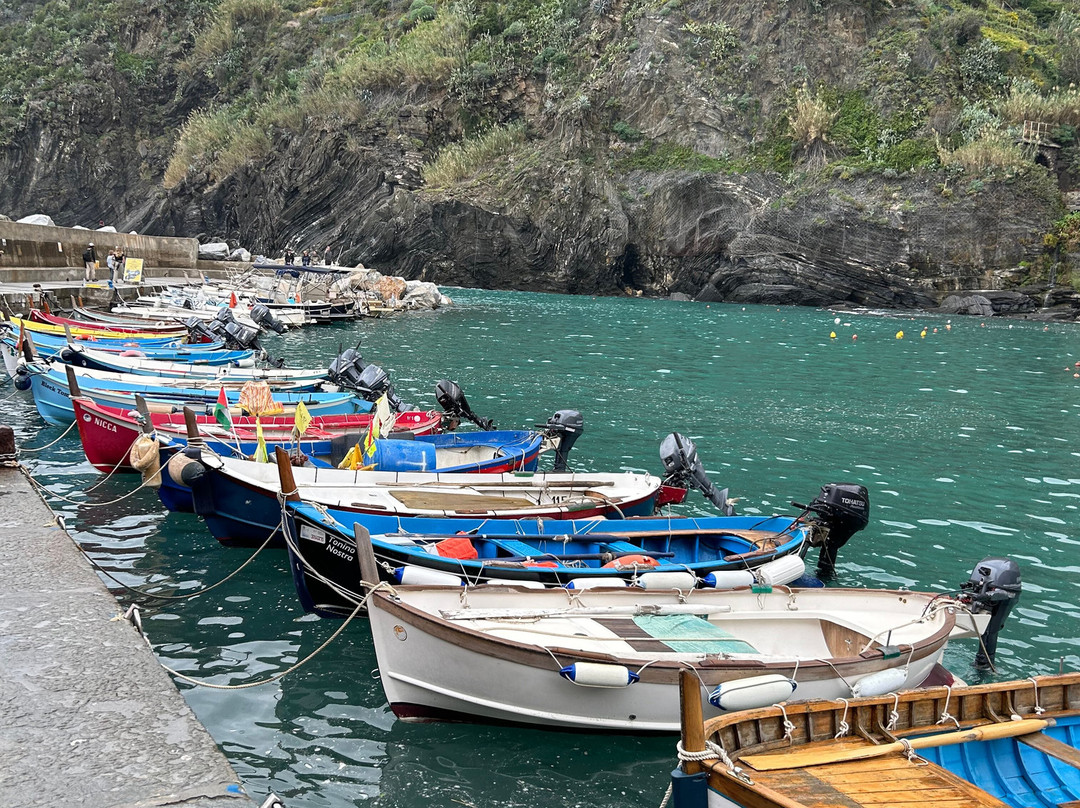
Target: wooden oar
x=818, y=757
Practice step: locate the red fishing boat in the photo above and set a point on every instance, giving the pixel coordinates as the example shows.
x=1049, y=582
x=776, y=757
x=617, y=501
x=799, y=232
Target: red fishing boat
x=108, y=434
x=164, y=330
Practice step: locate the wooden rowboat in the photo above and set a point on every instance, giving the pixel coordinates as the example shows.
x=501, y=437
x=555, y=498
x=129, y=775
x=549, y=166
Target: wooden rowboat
x=984, y=746
x=610, y=659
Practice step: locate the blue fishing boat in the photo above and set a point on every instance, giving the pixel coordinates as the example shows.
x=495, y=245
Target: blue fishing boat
x=452, y=453
x=52, y=396
x=658, y=552
x=1014, y=743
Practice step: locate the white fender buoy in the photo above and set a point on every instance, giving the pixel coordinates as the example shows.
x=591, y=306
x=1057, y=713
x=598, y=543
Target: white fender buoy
x=728, y=579
x=880, y=683
x=420, y=576
x=781, y=570
x=753, y=692
x=599, y=674
x=593, y=583
x=667, y=580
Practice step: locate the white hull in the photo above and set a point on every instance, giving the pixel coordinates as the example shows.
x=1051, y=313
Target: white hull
x=436, y=667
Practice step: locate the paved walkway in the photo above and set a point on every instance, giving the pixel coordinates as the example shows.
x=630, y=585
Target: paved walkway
x=87, y=716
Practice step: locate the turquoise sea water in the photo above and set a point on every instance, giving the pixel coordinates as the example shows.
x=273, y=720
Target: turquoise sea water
x=968, y=440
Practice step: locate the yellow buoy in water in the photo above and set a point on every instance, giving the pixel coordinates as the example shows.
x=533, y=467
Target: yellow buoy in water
x=899, y=334
x=832, y=335
x=922, y=334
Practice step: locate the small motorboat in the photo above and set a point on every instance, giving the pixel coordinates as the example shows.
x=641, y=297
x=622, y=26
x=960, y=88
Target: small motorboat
x=108, y=434
x=610, y=658
x=174, y=330
x=52, y=395
x=197, y=372
x=238, y=499
x=88, y=330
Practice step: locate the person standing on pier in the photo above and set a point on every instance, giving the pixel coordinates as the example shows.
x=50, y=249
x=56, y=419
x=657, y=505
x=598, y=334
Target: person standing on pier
x=305, y=259
x=121, y=257
x=110, y=262
x=326, y=256
x=289, y=256
x=89, y=258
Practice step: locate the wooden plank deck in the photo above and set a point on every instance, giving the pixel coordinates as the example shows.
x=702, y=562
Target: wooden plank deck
x=891, y=781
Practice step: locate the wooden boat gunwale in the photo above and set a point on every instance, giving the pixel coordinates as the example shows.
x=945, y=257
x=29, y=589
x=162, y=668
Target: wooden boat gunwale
x=934, y=711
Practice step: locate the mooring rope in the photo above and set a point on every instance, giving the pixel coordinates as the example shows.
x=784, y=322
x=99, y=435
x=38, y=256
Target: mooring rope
x=71, y=426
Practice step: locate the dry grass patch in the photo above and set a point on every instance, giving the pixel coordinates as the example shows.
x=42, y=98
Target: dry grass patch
x=460, y=161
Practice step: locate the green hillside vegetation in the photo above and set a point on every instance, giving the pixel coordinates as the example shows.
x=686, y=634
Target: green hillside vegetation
x=933, y=86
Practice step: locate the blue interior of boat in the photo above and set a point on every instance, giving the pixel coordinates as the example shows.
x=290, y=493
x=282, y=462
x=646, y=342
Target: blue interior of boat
x=1014, y=772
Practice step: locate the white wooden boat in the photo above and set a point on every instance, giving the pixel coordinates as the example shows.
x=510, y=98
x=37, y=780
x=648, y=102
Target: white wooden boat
x=279, y=380
x=520, y=495
x=609, y=658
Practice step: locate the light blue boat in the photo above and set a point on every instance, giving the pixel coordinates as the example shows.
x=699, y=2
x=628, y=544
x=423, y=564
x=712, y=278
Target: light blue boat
x=1013, y=743
x=52, y=396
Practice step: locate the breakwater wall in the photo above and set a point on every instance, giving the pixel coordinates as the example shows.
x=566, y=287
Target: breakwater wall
x=29, y=246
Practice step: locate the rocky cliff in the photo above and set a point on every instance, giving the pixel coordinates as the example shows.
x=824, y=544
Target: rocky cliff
x=787, y=151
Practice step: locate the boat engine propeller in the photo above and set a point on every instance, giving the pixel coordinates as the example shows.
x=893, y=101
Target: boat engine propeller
x=375, y=383
x=994, y=587
x=683, y=468
x=263, y=317
x=567, y=425
x=454, y=403
x=844, y=509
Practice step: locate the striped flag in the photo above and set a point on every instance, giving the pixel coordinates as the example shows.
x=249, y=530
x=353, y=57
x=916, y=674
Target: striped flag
x=221, y=411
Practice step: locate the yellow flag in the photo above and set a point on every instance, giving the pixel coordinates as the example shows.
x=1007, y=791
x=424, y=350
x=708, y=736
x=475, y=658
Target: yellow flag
x=302, y=418
x=260, y=444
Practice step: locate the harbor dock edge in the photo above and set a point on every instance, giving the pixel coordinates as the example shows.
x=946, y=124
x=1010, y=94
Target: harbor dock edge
x=87, y=715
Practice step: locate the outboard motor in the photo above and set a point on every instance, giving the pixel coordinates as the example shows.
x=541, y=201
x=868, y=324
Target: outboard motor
x=241, y=337
x=374, y=383
x=844, y=508
x=224, y=315
x=263, y=317
x=679, y=456
x=199, y=331
x=345, y=370
x=453, y=402
x=568, y=426
x=994, y=587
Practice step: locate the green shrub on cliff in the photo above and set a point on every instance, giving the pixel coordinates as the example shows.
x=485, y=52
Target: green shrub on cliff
x=461, y=161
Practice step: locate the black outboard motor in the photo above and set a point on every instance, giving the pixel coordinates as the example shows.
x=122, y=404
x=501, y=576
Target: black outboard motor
x=263, y=317
x=241, y=337
x=994, y=587
x=224, y=315
x=845, y=509
x=683, y=468
x=345, y=370
x=200, y=331
x=453, y=402
x=374, y=383
x=568, y=425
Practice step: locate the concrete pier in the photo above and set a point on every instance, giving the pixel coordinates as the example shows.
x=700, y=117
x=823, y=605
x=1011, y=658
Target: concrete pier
x=87, y=715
